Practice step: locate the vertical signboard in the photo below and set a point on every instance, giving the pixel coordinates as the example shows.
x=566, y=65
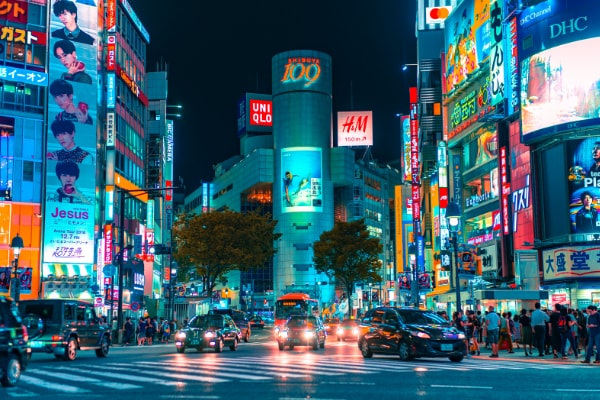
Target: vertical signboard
x=71, y=150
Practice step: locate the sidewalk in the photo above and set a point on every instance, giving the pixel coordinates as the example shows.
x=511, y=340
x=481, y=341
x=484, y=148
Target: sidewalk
x=519, y=355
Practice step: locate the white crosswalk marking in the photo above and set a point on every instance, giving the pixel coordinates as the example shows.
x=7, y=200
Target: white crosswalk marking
x=176, y=371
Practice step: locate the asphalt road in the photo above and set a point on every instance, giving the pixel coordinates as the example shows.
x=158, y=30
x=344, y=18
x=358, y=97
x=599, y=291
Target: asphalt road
x=258, y=370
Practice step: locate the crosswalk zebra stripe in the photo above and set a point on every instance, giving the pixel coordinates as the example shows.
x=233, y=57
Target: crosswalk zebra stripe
x=103, y=371
x=93, y=381
x=212, y=370
x=313, y=369
x=30, y=380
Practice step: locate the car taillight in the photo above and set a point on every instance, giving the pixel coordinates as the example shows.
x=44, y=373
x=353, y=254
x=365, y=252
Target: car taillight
x=25, y=334
x=57, y=338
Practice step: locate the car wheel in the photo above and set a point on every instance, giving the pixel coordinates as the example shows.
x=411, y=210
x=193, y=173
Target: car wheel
x=322, y=344
x=70, y=350
x=234, y=346
x=281, y=346
x=104, y=348
x=247, y=338
x=364, y=349
x=219, y=346
x=404, y=351
x=291, y=347
x=12, y=372
x=180, y=349
x=315, y=345
x=456, y=358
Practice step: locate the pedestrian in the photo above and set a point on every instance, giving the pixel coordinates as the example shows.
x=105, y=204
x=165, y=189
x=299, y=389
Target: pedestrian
x=538, y=327
x=555, y=336
x=516, y=329
x=150, y=330
x=526, y=332
x=581, y=317
x=141, y=331
x=166, y=331
x=472, y=330
x=505, y=340
x=492, y=321
x=128, y=331
x=565, y=323
x=593, y=331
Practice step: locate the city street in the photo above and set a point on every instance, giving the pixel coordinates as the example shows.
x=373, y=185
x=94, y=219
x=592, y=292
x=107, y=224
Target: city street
x=259, y=370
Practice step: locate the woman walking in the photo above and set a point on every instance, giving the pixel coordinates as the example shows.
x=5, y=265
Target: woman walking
x=526, y=332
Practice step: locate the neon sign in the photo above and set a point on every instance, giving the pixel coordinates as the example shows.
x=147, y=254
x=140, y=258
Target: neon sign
x=302, y=69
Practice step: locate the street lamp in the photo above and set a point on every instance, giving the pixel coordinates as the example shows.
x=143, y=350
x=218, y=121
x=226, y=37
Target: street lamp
x=15, y=283
x=453, y=216
x=405, y=66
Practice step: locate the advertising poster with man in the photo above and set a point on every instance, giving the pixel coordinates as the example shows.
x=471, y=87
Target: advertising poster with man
x=301, y=176
x=584, y=181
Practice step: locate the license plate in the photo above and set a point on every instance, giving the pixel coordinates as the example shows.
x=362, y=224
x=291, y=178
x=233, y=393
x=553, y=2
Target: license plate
x=447, y=347
x=193, y=342
x=36, y=344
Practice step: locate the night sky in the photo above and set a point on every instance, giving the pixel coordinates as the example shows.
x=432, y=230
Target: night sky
x=218, y=50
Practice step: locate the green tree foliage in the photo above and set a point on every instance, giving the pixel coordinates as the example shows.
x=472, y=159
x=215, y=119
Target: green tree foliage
x=348, y=254
x=213, y=244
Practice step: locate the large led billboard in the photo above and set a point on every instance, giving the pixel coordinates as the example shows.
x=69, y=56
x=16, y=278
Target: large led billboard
x=302, y=178
x=584, y=185
x=559, y=81
x=71, y=146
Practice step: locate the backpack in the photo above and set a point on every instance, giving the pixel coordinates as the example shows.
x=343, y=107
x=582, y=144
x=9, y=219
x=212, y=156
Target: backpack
x=166, y=327
x=563, y=325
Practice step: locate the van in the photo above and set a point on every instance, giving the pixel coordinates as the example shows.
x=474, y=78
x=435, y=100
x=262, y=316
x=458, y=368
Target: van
x=63, y=327
x=239, y=317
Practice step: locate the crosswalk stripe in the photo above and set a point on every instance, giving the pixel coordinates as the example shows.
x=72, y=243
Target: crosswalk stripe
x=80, y=378
x=30, y=380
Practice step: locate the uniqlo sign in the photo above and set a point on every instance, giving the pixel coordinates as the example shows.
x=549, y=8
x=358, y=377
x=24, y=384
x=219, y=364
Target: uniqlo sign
x=261, y=112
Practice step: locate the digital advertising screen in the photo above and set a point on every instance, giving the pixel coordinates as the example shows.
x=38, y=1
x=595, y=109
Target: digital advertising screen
x=467, y=41
x=71, y=145
x=559, y=82
x=301, y=179
x=584, y=185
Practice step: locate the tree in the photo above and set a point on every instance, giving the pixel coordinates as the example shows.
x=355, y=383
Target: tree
x=349, y=254
x=215, y=243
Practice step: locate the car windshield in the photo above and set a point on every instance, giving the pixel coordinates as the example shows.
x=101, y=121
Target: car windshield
x=332, y=321
x=207, y=321
x=303, y=322
x=421, y=318
x=348, y=322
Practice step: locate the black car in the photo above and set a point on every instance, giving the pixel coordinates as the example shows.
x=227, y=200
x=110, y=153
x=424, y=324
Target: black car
x=212, y=331
x=63, y=327
x=409, y=333
x=241, y=321
x=14, y=352
x=302, y=330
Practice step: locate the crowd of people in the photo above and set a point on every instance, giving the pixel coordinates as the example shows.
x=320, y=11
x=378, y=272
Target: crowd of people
x=148, y=330
x=561, y=333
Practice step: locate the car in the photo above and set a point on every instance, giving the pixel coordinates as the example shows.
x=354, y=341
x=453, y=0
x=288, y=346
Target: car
x=241, y=321
x=302, y=330
x=347, y=330
x=410, y=333
x=63, y=327
x=331, y=325
x=210, y=331
x=257, y=322
x=14, y=351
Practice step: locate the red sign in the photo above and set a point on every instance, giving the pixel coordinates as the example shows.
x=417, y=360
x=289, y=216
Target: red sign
x=111, y=53
x=261, y=112
x=111, y=15
x=14, y=10
x=168, y=193
x=108, y=243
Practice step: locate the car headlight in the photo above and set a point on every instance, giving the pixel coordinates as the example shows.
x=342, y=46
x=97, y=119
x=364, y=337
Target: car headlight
x=209, y=334
x=283, y=334
x=309, y=334
x=355, y=331
x=461, y=336
x=180, y=335
x=420, y=334
x=340, y=331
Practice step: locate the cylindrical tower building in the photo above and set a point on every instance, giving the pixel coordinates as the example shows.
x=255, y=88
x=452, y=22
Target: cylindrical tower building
x=302, y=189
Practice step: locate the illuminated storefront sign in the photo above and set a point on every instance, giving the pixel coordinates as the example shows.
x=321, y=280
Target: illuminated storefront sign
x=14, y=10
x=469, y=108
x=110, y=129
x=130, y=83
x=505, y=191
x=437, y=15
x=108, y=243
x=405, y=131
x=497, y=57
x=111, y=91
x=355, y=128
x=23, y=75
x=18, y=35
x=571, y=262
x=513, y=68
x=261, y=112
x=111, y=52
x=302, y=69
x=111, y=15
